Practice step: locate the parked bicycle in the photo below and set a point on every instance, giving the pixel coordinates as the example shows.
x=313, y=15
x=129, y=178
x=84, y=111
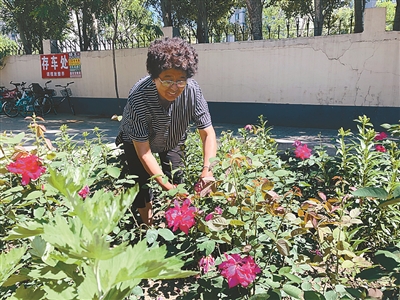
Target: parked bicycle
x=11, y=94
x=26, y=105
x=66, y=94
x=44, y=96
x=46, y=100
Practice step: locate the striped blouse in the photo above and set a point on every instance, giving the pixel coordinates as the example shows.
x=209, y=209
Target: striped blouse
x=145, y=119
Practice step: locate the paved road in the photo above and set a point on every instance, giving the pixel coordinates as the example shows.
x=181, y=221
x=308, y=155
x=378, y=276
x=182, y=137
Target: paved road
x=285, y=136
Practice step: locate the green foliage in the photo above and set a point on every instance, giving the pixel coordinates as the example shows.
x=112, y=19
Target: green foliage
x=6, y=48
x=35, y=21
x=322, y=227
x=73, y=249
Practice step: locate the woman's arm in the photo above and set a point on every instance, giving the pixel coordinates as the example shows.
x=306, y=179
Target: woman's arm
x=150, y=163
x=209, y=141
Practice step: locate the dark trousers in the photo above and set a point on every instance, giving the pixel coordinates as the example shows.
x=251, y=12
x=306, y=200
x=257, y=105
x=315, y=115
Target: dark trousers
x=171, y=164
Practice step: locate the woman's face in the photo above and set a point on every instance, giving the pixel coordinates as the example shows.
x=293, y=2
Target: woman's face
x=170, y=84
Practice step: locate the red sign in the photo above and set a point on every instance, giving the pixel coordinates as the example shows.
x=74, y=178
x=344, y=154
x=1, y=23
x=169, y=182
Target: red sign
x=55, y=65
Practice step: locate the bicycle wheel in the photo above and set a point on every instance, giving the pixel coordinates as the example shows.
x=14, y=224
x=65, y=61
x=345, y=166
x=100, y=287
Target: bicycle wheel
x=71, y=106
x=46, y=104
x=38, y=107
x=10, y=109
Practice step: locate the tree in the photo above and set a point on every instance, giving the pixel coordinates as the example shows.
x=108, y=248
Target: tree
x=255, y=8
x=391, y=10
x=127, y=19
x=396, y=21
x=194, y=17
x=359, y=7
x=35, y=20
x=318, y=10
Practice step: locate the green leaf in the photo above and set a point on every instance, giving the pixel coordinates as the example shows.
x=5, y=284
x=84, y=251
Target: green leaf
x=24, y=230
x=272, y=284
x=267, y=234
x=151, y=235
x=42, y=250
x=12, y=140
x=59, y=291
x=137, y=263
x=281, y=173
x=388, y=260
x=389, y=202
x=293, y=278
x=293, y=291
x=113, y=171
x=34, y=195
x=312, y=295
x=236, y=223
x=167, y=234
x=31, y=293
x=208, y=246
x=9, y=263
x=372, y=274
x=88, y=288
x=262, y=296
x=378, y=193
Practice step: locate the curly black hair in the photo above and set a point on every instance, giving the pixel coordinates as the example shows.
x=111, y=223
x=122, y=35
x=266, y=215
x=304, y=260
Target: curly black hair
x=171, y=53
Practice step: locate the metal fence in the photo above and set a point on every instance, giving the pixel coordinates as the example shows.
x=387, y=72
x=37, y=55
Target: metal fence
x=121, y=42
x=290, y=28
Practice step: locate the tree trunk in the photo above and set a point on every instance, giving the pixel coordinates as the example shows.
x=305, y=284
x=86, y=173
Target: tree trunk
x=78, y=25
x=359, y=6
x=86, y=26
x=166, y=9
x=202, y=28
x=27, y=45
x=319, y=18
x=254, y=8
x=396, y=21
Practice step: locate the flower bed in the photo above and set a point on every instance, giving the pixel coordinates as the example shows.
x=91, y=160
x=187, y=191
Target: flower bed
x=269, y=225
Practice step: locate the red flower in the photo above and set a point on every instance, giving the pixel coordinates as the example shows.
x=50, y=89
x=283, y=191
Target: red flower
x=380, y=136
x=380, y=148
x=84, y=192
x=181, y=217
x=302, y=151
x=239, y=270
x=29, y=167
x=206, y=263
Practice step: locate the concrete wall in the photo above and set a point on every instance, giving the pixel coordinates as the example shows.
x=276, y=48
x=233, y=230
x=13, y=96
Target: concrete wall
x=319, y=81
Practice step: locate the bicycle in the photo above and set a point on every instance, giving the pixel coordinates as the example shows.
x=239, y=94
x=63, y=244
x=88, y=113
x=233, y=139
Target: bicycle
x=66, y=94
x=25, y=105
x=44, y=96
x=13, y=94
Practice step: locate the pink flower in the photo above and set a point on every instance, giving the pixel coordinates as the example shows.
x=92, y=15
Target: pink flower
x=380, y=148
x=29, y=167
x=84, y=192
x=297, y=143
x=380, y=136
x=198, y=187
x=206, y=263
x=181, y=217
x=248, y=127
x=302, y=152
x=217, y=210
x=209, y=217
x=239, y=270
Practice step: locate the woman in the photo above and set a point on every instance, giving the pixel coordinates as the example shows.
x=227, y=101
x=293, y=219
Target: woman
x=156, y=118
